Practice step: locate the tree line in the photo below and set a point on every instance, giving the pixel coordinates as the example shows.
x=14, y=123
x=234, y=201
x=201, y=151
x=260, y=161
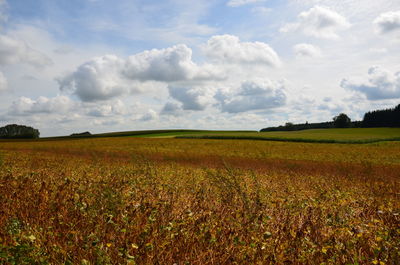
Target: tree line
x=382, y=118
x=14, y=131
x=377, y=118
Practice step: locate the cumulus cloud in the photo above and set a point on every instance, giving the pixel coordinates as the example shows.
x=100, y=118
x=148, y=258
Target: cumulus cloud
x=149, y=116
x=229, y=49
x=319, y=22
x=98, y=79
x=14, y=51
x=167, y=65
x=306, y=50
x=106, y=110
x=236, y=3
x=253, y=95
x=26, y=106
x=3, y=82
x=388, y=22
x=380, y=84
x=109, y=76
x=193, y=97
x=172, y=108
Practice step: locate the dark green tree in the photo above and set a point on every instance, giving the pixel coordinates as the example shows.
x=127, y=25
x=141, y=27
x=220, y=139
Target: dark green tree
x=289, y=126
x=14, y=131
x=341, y=121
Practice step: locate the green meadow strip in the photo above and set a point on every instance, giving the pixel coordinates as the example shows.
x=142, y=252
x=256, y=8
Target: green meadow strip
x=298, y=140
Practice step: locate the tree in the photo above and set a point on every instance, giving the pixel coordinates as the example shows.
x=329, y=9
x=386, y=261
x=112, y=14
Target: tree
x=382, y=118
x=289, y=126
x=342, y=121
x=14, y=131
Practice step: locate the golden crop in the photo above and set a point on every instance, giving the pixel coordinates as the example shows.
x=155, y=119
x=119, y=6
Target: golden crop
x=165, y=201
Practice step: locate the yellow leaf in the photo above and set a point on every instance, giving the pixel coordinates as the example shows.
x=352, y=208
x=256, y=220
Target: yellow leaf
x=134, y=246
x=31, y=238
x=108, y=245
x=374, y=261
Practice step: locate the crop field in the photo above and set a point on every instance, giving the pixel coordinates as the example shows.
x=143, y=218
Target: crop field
x=131, y=200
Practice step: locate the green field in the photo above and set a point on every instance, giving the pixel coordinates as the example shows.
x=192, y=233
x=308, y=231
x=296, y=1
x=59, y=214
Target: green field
x=350, y=135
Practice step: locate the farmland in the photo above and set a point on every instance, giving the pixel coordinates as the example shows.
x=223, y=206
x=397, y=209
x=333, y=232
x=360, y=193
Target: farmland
x=132, y=200
x=348, y=135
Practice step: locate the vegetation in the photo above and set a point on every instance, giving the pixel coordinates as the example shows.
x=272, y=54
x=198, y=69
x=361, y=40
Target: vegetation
x=342, y=121
x=344, y=136
x=14, y=131
x=297, y=127
x=144, y=133
x=82, y=134
x=377, y=118
x=165, y=201
x=382, y=118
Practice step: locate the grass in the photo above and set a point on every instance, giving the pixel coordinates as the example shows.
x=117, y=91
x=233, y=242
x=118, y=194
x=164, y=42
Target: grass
x=344, y=136
x=135, y=200
x=350, y=136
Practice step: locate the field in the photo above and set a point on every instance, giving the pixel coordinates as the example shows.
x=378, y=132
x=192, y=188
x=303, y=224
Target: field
x=350, y=135
x=132, y=200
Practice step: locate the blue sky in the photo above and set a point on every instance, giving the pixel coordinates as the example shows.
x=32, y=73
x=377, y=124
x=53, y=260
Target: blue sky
x=100, y=65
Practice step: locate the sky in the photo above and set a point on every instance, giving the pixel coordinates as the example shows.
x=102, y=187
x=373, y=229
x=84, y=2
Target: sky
x=69, y=66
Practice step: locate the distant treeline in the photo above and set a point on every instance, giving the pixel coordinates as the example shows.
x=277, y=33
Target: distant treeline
x=382, y=118
x=297, y=127
x=82, y=134
x=14, y=131
x=376, y=118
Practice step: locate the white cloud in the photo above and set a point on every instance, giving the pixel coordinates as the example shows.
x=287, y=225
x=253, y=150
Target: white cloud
x=98, y=79
x=109, y=76
x=14, y=51
x=193, y=97
x=306, y=50
x=168, y=65
x=319, y=22
x=106, y=110
x=381, y=84
x=253, y=95
x=63, y=50
x=388, y=22
x=236, y=3
x=3, y=82
x=26, y=106
x=149, y=116
x=172, y=108
x=229, y=49
x=378, y=50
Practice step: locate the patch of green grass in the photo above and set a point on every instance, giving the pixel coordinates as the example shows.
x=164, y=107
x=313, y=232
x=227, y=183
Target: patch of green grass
x=339, y=134
x=350, y=135
x=167, y=133
x=194, y=133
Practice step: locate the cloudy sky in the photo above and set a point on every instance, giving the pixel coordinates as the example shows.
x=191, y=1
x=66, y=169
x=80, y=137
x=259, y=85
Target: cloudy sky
x=100, y=65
